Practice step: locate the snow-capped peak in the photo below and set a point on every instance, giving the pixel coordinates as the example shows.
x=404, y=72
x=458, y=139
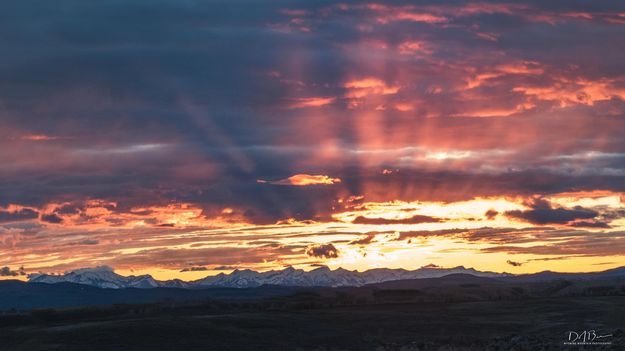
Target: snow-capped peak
x=102, y=277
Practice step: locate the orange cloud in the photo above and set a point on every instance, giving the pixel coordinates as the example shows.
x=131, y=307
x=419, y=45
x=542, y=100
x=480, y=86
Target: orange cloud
x=414, y=47
x=524, y=68
x=16, y=213
x=404, y=107
x=360, y=88
x=387, y=14
x=95, y=213
x=480, y=7
x=568, y=92
x=323, y=251
x=414, y=17
x=495, y=111
x=38, y=137
x=304, y=180
x=312, y=102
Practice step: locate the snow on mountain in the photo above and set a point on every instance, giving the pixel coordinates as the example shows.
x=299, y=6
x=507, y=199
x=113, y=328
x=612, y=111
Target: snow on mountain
x=105, y=277
x=101, y=277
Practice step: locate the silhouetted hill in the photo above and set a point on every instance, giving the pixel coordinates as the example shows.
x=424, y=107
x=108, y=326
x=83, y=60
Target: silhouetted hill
x=549, y=275
x=448, y=280
x=23, y=296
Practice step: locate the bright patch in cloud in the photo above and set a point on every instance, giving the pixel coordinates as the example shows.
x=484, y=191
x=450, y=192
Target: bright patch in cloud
x=448, y=155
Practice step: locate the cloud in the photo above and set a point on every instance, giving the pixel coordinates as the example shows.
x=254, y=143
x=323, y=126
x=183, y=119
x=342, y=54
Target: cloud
x=322, y=251
x=590, y=224
x=203, y=146
x=416, y=219
x=542, y=212
x=491, y=214
x=195, y=269
x=360, y=88
x=312, y=102
x=7, y=272
x=39, y=137
x=567, y=243
x=368, y=239
x=304, y=180
x=514, y=264
x=414, y=47
x=51, y=218
x=386, y=14
x=567, y=92
x=16, y=213
x=429, y=233
x=85, y=242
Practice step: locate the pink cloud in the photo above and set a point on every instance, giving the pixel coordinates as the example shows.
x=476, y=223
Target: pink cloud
x=311, y=102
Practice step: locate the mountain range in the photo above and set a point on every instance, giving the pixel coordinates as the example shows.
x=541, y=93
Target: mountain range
x=105, y=277
x=102, y=286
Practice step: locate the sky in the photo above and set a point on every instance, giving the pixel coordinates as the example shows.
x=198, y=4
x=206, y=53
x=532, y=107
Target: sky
x=187, y=138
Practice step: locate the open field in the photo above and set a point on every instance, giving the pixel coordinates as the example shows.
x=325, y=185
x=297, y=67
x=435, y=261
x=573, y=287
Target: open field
x=295, y=324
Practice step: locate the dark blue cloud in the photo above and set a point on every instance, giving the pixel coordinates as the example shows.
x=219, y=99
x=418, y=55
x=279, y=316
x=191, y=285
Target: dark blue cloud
x=543, y=213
